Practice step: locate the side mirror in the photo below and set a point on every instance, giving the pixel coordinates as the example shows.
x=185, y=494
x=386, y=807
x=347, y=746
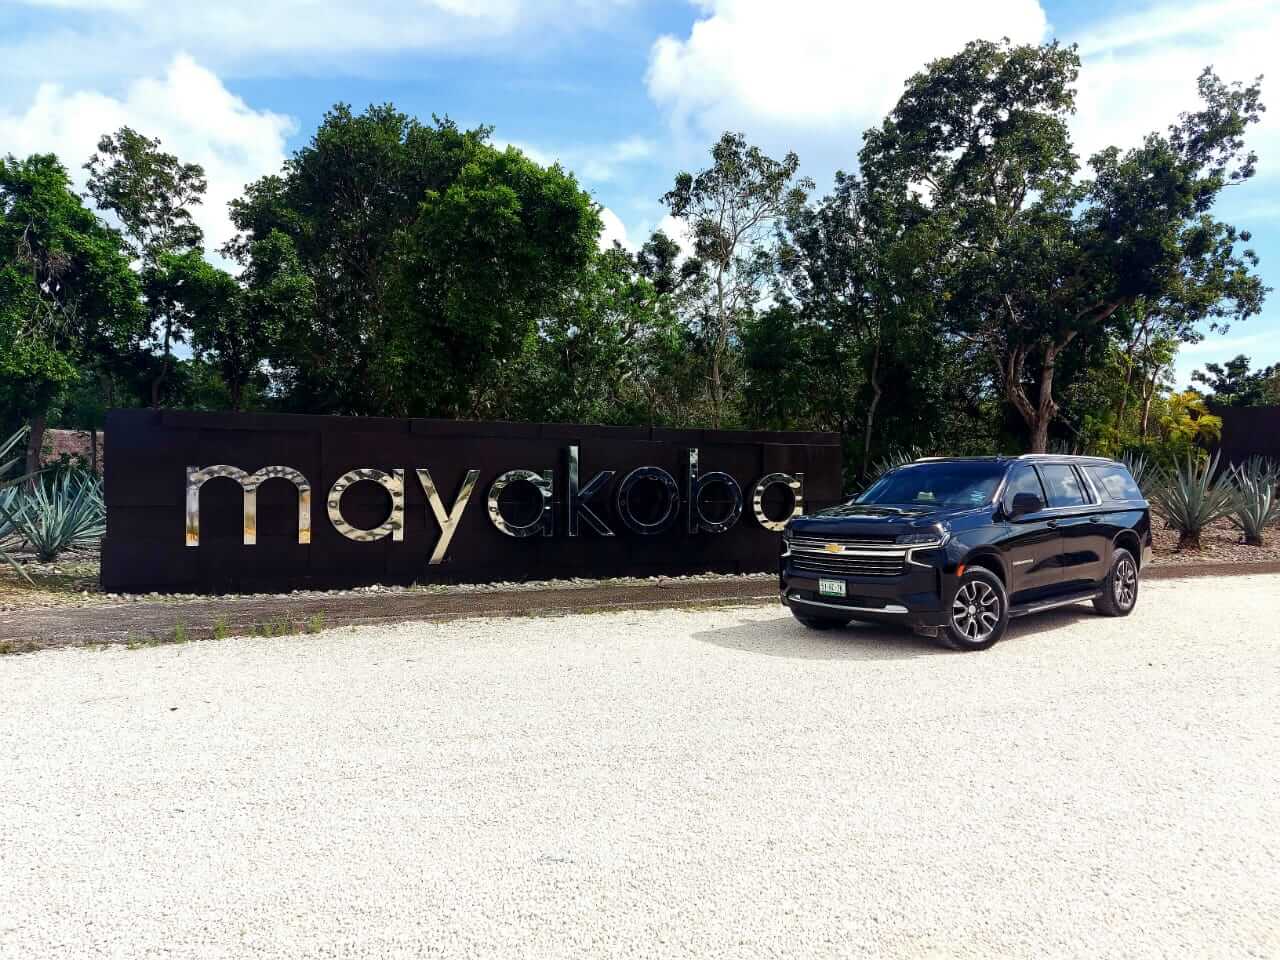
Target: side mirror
x=1023, y=504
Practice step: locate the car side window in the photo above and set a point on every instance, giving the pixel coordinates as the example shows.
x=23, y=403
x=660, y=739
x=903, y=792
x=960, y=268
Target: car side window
x=1115, y=482
x=1063, y=485
x=1023, y=479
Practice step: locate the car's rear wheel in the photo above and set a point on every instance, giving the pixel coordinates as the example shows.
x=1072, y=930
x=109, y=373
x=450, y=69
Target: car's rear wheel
x=979, y=612
x=821, y=623
x=1120, y=588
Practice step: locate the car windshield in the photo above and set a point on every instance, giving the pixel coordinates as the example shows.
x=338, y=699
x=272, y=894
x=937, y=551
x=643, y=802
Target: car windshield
x=951, y=484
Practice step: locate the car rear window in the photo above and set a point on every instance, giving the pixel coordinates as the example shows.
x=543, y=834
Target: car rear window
x=1114, y=483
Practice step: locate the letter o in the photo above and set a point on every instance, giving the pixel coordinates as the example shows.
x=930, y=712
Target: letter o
x=794, y=484
x=629, y=483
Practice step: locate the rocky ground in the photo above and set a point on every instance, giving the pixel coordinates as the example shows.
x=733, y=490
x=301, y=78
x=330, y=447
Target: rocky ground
x=670, y=783
x=72, y=580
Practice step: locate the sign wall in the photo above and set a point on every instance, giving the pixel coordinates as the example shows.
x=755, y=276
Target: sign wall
x=249, y=502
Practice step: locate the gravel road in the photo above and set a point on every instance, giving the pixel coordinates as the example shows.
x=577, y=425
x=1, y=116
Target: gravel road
x=655, y=784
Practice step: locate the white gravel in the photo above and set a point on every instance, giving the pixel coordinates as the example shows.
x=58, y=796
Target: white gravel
x=656, y=784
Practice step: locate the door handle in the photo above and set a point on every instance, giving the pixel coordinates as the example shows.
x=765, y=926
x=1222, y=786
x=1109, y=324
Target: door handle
x=1053, y=524
x=1095, y=519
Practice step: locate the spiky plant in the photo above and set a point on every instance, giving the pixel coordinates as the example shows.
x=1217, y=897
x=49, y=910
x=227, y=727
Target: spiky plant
x=1142, y=469
x=65, y=512
x=895, y=458
x=1256, y=504
x=1193, y=496
x=10, y=494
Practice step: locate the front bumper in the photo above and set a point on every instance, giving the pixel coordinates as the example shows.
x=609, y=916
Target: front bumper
x=913, y=597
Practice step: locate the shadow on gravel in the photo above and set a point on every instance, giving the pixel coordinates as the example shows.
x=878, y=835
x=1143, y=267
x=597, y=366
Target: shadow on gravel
x=784, y=637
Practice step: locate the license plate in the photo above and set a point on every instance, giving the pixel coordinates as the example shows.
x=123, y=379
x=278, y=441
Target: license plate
x=831, y=588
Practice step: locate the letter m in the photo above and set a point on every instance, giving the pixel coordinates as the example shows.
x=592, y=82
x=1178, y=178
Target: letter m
x=249, y=483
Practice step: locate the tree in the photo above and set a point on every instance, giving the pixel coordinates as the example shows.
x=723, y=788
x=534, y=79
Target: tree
x=68, y=298
x=427, y=258
x=1042, y=256
x=865, y=268
x=1234, y=384
x=152, y=194
x=732, y=208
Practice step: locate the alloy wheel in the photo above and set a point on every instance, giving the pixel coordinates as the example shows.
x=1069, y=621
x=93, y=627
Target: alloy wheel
x=975, y=611
x=1125, y=586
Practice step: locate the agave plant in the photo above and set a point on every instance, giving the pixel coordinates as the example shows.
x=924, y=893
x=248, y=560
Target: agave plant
x=1142, y=469
x=65, y=512
x=895, y=458
x=1192, y=497
x=1256, y=504
x=9, y=497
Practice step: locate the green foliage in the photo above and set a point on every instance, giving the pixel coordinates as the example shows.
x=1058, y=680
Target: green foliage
x=895, y=458
x=1257, y=505
x=1233, y=384
x=58, y=513
x=404, y=264
x=1191, y=497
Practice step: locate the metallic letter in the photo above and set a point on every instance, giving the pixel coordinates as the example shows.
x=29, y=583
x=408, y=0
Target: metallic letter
x=694, y=486
x=795, y=484
x=249, y=484
x=448, y=521
x=544, y=522
x=577, y=498
x=393, y=483
x=629, y=519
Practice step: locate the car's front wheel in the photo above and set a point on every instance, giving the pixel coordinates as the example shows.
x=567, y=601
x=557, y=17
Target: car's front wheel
x=821, y=623
x=1120, y=588
x=979, y=611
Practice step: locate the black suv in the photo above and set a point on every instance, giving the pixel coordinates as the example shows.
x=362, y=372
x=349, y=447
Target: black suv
x=955, y=547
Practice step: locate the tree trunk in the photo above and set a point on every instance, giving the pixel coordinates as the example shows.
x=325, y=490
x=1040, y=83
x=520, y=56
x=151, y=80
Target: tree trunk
x=1037, y=416
x=35, y=442
x=871, y=410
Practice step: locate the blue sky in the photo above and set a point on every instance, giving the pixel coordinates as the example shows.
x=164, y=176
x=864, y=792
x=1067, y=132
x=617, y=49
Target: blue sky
x=623, y=92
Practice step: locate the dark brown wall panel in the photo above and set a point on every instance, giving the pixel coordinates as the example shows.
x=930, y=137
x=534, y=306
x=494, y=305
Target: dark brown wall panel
x=149, y=452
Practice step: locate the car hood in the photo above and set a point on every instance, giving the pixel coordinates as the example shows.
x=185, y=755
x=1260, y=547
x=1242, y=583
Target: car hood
x=858, y=520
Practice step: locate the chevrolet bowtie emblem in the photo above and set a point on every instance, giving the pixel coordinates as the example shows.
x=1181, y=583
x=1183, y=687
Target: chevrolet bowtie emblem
x=833, y=548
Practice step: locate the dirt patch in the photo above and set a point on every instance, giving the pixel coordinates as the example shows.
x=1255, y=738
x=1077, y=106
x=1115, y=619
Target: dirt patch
x=1220, y=543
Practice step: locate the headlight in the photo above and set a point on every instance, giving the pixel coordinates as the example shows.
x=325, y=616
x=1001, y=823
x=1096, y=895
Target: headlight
x=928, y=538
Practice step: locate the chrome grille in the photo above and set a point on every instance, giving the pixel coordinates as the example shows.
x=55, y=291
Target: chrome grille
x=883, y=564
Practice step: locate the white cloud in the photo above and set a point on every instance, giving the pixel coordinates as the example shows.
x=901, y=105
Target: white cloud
x=1139, y=70
x=614, y=229
x=187, y=108
x=592, y=163
x=72, y=39
x=819, y=66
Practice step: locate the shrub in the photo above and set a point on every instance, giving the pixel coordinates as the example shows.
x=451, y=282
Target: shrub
x=9, y=495
x=1256, y=504
x=64, y=512
x=1193, y=496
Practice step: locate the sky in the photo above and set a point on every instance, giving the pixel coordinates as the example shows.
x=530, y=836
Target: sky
x=625, y=93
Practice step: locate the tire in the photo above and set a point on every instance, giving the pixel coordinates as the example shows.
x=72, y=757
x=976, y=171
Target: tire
x=821, y=623
x=1120, y=586
x=979, y=612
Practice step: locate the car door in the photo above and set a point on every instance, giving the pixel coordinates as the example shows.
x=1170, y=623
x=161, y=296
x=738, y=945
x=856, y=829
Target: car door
x=1079, y=520
x=1031, y=545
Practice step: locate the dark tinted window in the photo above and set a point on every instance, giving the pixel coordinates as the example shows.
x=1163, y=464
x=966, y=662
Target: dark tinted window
x=1022, y=480
x=1114, y=483
x=1062, y=485
x=943, y=484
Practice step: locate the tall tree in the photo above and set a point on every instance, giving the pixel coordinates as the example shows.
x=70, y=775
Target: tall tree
x=429, y=257
x=1042, y=256
x=732, y=209
x=68, y=298
x=152, y=193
